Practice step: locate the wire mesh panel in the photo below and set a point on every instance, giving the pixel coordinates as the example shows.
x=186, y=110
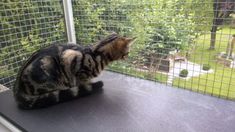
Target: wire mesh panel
x=183, y=43
x=26, y=26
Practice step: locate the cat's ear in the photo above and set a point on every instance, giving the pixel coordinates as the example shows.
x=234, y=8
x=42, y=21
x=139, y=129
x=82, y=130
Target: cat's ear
x=113, y=36
x=130, y=41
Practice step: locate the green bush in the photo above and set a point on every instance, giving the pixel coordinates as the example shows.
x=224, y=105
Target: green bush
x=184, y=73
x=158, y=29
x=26, y=27
x=206, y=67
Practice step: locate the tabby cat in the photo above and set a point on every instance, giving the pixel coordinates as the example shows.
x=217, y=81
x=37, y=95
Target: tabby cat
x=62, y=72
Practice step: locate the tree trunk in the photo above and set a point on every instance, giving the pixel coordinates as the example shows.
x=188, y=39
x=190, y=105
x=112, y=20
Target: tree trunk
x=214, y=25
x=228, y=48
x=232, y=47
x=213, y=37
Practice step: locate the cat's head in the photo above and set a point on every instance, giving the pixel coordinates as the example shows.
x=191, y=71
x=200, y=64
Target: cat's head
x=116, y=47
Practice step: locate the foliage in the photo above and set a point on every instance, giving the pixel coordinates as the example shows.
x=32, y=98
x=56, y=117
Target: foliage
x=183, y=73
x=128, y=69
x=94, y=20
x=206, y=67
x=159, y=25
x=221, y=11
x=25, y=27
x=221, y=82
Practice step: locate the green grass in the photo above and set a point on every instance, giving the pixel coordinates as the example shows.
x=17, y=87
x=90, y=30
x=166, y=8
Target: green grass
x=4, y=72
x=221, y=83
x=127, y=68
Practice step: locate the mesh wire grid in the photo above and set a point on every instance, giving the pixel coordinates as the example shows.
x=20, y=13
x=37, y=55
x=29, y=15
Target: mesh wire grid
x=173, y=40
x=172, y=35
x=26, y=26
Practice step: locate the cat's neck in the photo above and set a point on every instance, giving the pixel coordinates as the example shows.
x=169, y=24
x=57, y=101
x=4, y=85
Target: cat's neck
x=95, y=61
x=106, y=58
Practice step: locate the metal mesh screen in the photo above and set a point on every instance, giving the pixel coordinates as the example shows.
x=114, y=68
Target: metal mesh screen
x=183, y=43
x=26, y=26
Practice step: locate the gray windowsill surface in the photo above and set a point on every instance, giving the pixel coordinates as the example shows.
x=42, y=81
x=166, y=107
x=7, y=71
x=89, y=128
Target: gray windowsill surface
x=127, y=104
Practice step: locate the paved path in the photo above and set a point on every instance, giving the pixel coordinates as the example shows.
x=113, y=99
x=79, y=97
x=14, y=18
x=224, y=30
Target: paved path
x=194, y=70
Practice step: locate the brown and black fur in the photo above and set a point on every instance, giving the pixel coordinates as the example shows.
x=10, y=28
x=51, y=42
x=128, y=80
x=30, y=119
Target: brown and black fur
x=62, y=72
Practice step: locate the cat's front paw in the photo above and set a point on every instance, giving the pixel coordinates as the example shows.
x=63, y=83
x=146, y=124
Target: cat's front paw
x=97, y=86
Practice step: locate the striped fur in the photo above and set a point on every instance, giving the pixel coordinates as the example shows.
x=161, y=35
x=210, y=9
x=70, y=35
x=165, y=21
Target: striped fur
x=64, y=71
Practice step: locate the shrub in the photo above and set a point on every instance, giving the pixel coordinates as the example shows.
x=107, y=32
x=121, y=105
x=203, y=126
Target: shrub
x=206, y=67
x=184, y=73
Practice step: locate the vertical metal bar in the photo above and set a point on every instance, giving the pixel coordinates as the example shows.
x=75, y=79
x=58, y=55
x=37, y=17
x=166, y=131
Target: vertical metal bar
x=68, y=12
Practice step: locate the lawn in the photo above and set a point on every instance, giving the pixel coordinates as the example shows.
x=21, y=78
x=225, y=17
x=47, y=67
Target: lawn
x=221, y=83
x=126, y=67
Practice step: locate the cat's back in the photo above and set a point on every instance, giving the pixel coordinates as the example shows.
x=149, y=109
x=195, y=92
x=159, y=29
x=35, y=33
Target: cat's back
x=54, y=50
x=46, y=57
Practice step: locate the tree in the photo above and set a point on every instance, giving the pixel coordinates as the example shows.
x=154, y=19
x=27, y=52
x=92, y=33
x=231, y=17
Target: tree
x=25, y=27
x=222, y=9
x=94, y=20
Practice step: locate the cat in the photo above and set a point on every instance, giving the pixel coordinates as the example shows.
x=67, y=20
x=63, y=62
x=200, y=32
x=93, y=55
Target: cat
x=62, y=72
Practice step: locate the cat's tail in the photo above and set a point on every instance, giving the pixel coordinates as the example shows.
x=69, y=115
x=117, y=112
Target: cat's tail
x=26, y=101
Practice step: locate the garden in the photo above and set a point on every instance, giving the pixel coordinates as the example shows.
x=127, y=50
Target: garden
x=222, y=81
x=193, y=31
